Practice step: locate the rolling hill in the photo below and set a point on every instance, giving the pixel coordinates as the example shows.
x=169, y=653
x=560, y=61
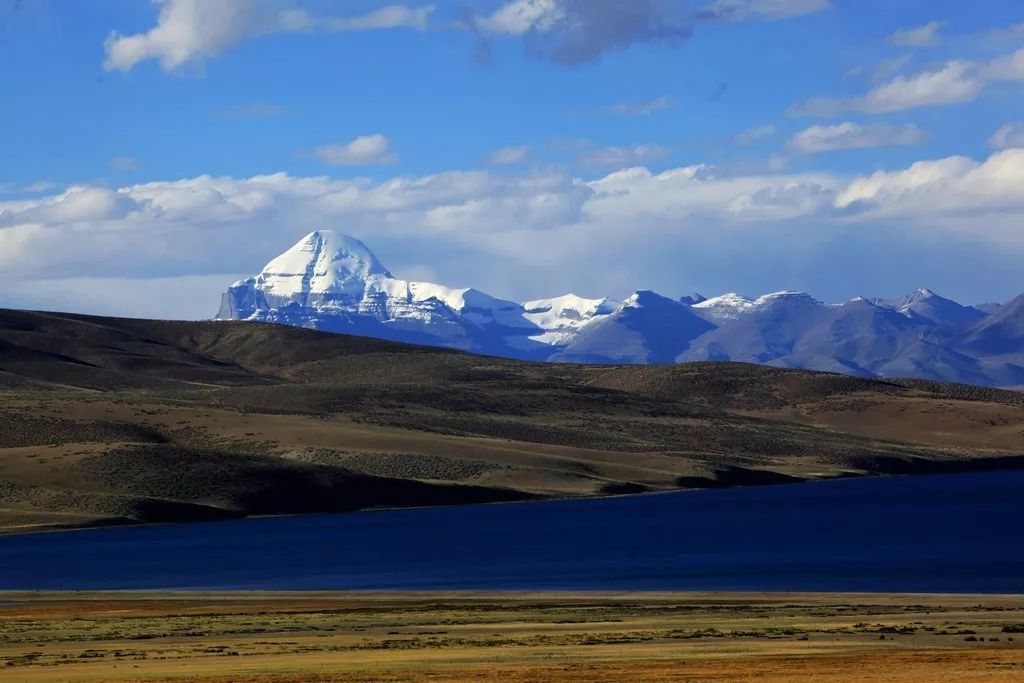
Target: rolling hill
x=106, y=420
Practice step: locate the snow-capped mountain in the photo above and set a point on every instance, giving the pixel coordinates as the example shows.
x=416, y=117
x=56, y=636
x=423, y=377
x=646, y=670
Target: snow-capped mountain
x=331, y=282
x=645, y=328
x=929, y=305
x=563, y=317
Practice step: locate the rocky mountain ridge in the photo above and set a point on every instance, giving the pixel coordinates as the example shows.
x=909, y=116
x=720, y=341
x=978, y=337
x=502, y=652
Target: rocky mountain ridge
x=331, y=282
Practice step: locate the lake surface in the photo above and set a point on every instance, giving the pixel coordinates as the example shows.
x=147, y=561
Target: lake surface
x=941, y=533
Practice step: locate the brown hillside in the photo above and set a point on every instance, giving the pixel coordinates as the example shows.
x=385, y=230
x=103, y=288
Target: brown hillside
x=113, y=420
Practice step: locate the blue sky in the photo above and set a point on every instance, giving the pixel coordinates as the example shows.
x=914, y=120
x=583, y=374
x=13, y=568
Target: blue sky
x=843, y=147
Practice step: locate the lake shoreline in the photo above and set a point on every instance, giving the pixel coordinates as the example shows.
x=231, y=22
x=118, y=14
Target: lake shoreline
x=948, y=533
x=929, y=469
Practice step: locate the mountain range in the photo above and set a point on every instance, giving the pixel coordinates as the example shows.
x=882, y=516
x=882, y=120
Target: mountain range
x=331, y=282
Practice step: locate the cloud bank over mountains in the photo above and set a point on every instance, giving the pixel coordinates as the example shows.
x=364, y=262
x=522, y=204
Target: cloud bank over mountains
x=612, y=228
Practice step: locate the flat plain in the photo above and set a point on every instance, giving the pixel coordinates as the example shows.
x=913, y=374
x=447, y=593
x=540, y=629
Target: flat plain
x=282, y=637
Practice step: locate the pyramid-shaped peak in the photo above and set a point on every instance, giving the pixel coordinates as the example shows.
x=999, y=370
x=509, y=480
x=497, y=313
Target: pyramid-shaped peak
x=322, y=262
x=327, y=254
x=921, y=293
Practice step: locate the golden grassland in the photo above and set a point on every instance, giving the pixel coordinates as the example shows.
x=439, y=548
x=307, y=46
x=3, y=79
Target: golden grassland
x=291, y=637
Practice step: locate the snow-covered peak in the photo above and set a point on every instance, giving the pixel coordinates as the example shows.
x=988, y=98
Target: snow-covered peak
x=784, y=298
x=644, y=297
x=728, y=307
x=926, y=304
x=723, y=308
x=568, y=309
x=562, y=317
x=322, y=262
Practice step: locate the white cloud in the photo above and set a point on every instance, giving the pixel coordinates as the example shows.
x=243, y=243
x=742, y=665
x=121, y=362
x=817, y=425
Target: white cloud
x=770, y=10
x=579, y=31
x=755, y=134
x=624, y=156
x=1009, y=135
x=392, y=16
x=918, y=36
x=194, y=30
x=365, y=150
x=550, y=231
x=522, y=16
x=1007, y=68
x=78, y=204
x=220, y=224
x=950, y=187
x=507, y=156
x=848, y=135
x=954, y=82
x=779, y=202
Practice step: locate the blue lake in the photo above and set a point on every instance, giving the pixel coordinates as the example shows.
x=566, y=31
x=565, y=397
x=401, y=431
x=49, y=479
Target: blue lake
x=940, y=533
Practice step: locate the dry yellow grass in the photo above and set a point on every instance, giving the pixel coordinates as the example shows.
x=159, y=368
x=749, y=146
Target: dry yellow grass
x=265, y=637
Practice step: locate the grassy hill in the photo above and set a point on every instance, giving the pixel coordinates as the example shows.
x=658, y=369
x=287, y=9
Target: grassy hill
x=107, y=420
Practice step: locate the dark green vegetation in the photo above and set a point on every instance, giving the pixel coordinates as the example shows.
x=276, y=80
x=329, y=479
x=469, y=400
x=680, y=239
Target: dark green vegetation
x=114, y=420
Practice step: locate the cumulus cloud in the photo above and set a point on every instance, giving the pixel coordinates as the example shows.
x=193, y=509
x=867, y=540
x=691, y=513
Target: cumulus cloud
x=522, y=16
x=461, y=223
x=953, y=186
x=1009, y=135
x=848, y=135
x=1007, y=68
x=78, y=204
x=775, y=202
x=365, y=150
x=579, y=31
x=507, y=156
x=193, y=30
x=918, y=36
x=210, y=224
x=954, y=82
